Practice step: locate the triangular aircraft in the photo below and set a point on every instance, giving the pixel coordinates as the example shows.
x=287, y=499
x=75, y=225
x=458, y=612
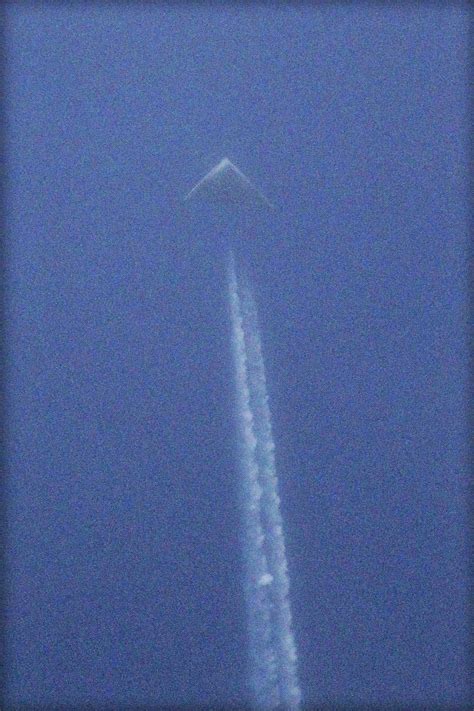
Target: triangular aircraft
x=225, y=183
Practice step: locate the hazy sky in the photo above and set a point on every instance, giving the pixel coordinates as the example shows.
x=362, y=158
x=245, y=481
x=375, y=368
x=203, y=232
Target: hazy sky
x=124, y=571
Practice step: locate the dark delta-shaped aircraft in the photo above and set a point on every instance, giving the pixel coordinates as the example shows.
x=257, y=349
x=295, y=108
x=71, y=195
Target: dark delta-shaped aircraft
x=225, y=183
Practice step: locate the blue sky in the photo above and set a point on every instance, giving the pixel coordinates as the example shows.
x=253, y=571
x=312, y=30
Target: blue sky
x=124, y=571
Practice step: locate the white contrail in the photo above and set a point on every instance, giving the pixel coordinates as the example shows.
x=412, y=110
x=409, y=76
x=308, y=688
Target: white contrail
x=274, y=676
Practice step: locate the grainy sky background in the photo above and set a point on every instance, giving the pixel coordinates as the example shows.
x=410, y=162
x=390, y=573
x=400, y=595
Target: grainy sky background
x=124, y=571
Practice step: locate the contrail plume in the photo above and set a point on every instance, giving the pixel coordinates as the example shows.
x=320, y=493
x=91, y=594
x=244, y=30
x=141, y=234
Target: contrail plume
x=272, y=655
x=272, y=651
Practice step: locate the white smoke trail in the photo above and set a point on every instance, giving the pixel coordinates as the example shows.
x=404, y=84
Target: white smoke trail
x=272, y=648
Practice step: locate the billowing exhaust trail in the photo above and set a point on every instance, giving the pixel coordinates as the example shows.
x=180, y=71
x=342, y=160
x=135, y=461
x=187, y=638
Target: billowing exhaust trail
x=273, y=672
x=272, y=651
